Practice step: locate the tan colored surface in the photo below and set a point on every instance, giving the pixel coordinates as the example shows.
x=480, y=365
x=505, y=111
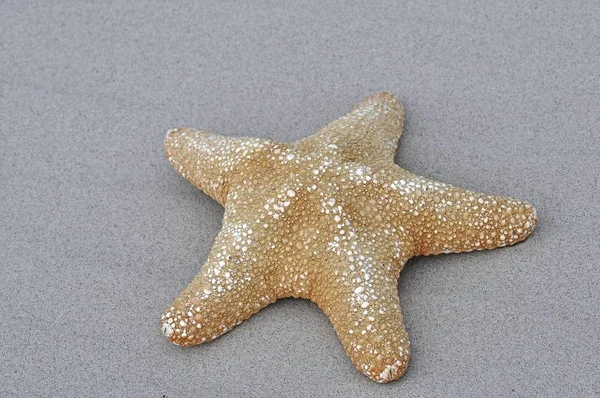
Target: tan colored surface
x=330, y=218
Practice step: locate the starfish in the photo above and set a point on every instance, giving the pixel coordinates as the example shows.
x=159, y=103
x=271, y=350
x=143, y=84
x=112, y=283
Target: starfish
x=330, y=218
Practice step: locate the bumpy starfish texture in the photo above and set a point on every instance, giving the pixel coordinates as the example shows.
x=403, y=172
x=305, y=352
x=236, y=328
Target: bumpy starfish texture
x=329, y=218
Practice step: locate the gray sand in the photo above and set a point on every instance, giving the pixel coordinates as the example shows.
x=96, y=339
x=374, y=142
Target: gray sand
x=98, y=234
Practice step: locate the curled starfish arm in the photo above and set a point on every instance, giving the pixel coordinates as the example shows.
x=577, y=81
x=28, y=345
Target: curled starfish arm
x=210, y=161
x=367, y=318
x=230, y=288
x=369, y=133
x=453, y=219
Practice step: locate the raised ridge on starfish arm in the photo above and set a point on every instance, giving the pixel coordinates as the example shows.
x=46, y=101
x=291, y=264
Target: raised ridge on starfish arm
x=369, y=133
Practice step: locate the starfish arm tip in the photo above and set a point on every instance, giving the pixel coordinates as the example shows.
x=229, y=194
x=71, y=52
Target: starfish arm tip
x=210, y=161
x=368, y=321
x=369, y=133
x=464, y=220
x=169, y=132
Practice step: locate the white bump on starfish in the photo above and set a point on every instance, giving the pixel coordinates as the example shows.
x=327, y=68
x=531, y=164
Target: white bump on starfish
x=388, y=373
x=167, y=329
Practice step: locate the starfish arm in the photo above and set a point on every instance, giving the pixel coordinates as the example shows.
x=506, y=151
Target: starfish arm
x=367, y=318
x=369, y=133
x=451, y=219
x=231, y=286
x=209, y=161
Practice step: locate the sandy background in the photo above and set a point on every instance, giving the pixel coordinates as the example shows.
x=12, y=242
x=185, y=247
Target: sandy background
x=98, y=233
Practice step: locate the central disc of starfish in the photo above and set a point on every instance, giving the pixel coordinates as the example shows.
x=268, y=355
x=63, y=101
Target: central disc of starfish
x=329, y=218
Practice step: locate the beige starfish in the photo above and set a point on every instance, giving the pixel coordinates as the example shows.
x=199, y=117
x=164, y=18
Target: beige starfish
x=329, y=218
